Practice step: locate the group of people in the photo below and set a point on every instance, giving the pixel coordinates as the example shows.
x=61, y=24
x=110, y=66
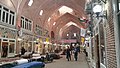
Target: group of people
x=74, y=51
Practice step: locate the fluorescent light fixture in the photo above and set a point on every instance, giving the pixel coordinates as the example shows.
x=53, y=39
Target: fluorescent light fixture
x=54, y=23
x=65, y=9
x=41, y=12
x=30, y=3
x=49, y=19
x=97, y=8
x=119, y=6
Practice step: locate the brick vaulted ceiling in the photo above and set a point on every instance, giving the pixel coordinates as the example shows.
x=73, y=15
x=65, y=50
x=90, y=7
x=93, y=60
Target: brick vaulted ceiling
x=50, y=8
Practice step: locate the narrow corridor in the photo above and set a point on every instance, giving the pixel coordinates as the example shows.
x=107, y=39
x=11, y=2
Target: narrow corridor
x=63, y=63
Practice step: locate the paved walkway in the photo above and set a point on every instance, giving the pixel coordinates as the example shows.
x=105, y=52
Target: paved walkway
x=63, y=63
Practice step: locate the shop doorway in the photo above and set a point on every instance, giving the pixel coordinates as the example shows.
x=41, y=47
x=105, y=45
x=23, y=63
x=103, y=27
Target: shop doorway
x=97, y=51
x=11, y=48
x=7, y=48
x=4, y=49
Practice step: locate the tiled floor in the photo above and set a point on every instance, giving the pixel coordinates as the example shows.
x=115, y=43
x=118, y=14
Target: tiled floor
x=63, y=63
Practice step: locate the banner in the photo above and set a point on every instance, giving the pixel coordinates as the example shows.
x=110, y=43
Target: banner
x=82, y=40
x=83, y=32
x=47, y=39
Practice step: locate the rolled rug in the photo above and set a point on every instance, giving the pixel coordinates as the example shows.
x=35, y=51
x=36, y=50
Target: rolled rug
x=21, y=61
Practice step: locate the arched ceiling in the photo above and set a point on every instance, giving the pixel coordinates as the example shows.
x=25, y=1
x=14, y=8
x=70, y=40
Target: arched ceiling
x=50, y=9
x=68, y=29
x=64, y=21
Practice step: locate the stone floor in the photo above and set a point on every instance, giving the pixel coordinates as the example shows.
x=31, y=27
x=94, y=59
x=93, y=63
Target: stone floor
x=63, y=63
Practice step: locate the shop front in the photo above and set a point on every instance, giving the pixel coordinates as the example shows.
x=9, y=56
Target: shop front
x=38, y=45
x=7, y=42
x=7, y=47
x=27, y=42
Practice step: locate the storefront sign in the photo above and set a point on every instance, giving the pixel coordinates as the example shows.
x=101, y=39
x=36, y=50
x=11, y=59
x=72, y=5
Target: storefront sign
x=7, y=33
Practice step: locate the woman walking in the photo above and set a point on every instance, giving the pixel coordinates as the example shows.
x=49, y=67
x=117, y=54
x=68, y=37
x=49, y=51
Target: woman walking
x=68, y=55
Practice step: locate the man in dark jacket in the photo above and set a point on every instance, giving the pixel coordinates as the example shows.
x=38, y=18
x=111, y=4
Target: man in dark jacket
x=23, y=50
x=76, y=50
x=68, y=55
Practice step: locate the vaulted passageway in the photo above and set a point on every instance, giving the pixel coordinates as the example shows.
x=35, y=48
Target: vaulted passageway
x=52, y=26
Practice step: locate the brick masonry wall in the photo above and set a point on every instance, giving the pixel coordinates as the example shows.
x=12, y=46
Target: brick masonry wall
x=110, y=38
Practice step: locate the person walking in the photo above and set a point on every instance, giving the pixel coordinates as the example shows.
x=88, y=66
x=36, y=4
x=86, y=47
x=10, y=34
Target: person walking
x=76, y=50
x=4, y=50
x=68, y=54
x=23, y=50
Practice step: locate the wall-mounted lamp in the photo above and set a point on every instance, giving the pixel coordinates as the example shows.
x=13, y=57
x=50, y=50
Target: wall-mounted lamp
x=97, y=9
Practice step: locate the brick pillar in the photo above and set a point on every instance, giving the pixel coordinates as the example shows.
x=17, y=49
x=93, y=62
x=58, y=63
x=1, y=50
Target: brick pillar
x=110, y=38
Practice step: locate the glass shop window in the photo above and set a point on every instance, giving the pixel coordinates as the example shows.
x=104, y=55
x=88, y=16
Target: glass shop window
x=11, y=48
x=26, y=20
x=22, y=22
x=10, y=19
x=29, y=25
x=3, y=16
x=118, y=4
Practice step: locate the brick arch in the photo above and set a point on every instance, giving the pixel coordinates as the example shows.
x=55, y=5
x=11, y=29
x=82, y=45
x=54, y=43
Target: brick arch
x=61, y=23
x=63, y=20
x=80, y=14
x=65, y=27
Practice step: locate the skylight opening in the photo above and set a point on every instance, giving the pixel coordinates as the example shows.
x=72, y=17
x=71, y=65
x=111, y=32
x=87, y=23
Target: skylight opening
x=30, y=3
x=54, y=23
x=65, y=9
x=41, y=12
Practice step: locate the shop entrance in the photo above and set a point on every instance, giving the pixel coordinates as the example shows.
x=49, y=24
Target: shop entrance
x=11, y=48
x=97, y=51
x=7, y=48
x=4, y=49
